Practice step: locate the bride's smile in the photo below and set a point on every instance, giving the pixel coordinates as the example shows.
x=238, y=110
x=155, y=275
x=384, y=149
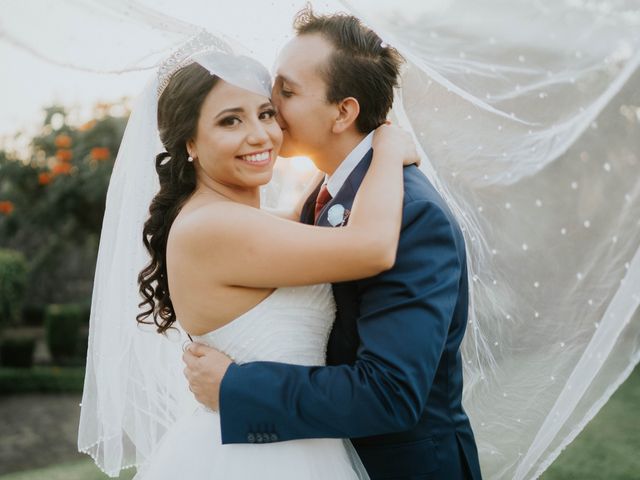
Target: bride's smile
x=237, y=140
x=257, y=158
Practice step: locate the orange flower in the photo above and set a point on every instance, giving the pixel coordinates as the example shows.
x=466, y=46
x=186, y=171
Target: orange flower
x=64, y=155
x=87, y=126
x=6, y=207
x=44, y=178
x=101, y=110
x=62, y=141
x=61, y=169
x=100, y=153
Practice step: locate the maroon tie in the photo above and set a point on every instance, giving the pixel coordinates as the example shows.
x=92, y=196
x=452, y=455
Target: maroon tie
x=323, y=198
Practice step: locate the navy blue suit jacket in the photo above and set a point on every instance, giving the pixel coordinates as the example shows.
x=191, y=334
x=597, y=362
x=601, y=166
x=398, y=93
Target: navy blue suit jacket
x=393, y=380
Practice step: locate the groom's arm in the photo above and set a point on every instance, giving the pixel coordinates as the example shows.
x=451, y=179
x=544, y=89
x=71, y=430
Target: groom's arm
x=405, y=317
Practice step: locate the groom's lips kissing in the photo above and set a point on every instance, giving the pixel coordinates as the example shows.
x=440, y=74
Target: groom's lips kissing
x=257, y=159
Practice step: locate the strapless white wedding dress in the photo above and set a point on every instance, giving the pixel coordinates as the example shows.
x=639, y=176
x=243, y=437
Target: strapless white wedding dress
x=292, y=325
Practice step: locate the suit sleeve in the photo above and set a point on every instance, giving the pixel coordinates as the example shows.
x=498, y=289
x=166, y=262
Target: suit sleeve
x=403, y=324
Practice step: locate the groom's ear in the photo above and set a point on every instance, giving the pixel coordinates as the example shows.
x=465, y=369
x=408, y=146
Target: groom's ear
x=347, y=111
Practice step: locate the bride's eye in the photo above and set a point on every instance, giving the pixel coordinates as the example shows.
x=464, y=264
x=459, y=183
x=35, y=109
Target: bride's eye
x=229, y=121
x=267, y=114
x=285, y=93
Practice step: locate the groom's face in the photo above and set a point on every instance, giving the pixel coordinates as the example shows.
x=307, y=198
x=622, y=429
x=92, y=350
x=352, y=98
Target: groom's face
x=299, y=94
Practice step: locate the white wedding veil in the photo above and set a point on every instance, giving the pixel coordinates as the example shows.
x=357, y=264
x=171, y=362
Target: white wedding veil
x=134, y=386
x=527, y=114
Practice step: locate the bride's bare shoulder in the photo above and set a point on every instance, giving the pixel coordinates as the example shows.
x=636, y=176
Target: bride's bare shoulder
x=210, y=221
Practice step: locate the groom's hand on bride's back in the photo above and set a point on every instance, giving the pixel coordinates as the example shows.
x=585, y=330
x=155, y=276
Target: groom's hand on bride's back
x=205, y=368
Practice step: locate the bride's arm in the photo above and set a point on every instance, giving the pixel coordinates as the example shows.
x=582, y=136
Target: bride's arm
x=243, y=246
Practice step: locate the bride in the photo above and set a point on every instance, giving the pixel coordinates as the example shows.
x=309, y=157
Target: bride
x=232, y=274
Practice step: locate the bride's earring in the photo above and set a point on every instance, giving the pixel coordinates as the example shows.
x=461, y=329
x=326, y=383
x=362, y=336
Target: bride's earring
x=190, y=159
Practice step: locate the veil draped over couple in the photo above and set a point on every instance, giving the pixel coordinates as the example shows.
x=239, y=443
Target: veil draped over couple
x=330, y=331
x=305, y=366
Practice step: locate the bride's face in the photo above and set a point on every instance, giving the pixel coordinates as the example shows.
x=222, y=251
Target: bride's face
x=237, y=139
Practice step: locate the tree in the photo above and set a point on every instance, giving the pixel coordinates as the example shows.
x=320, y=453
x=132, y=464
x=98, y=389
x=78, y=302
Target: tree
x=54, y=202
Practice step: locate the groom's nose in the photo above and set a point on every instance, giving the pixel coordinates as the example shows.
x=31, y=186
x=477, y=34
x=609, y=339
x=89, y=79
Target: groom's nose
x=279, y=119
x=274, y=88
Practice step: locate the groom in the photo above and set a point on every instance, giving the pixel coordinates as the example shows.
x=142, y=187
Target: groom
x=393, y=380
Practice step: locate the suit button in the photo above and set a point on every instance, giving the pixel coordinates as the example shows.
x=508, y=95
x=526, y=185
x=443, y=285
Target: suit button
x=259, y=438
x=274, y=437
x=251, y=438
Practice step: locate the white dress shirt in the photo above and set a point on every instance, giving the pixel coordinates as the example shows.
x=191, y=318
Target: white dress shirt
x=335, y=181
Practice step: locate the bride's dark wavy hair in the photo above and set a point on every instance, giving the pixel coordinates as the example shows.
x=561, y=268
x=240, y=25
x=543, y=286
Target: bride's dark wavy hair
x=179, y=109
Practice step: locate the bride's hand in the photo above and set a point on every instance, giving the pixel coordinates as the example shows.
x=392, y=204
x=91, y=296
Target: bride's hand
x=397, y=141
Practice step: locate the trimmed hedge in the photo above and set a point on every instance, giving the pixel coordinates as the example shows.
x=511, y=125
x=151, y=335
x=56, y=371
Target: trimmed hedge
x=13, y=284
x=17, y=352
x=41, y=379
x=62, y=327
x=33, y=315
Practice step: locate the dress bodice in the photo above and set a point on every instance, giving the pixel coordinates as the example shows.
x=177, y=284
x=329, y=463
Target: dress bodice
x=291, y=325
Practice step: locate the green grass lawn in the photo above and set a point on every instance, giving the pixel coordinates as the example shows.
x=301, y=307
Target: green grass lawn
x=82, y=470
x=608, y=449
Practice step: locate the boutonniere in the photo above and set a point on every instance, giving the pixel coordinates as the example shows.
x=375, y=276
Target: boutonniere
x=337, y=215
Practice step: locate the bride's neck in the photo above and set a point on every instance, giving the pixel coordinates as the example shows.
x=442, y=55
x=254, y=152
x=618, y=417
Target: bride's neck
x=246, y=195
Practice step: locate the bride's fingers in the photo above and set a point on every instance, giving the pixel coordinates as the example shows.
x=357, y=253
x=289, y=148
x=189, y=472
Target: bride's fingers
x=189, y=359
x=198, y=349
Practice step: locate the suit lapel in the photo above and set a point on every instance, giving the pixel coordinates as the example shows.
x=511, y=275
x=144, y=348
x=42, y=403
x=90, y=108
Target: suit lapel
x=343, y=201
x=308, y=209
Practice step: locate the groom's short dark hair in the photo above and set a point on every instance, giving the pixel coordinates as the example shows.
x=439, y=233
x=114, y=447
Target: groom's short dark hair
x=361, y=66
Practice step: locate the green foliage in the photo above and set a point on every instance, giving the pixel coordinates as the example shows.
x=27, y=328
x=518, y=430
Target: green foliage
x=57, y=191
x=41, y=379
x=62, y=327
x=17, y=352
x=13, y=281
x=33, y=315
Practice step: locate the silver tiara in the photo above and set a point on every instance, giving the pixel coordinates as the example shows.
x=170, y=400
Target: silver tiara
x=202, y=42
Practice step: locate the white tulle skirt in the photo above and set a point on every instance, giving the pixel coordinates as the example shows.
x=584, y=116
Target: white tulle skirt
x=192, y=449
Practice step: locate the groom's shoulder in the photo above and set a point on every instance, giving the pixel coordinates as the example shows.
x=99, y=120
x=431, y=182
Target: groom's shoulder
x=417, y=187
x=421, y=196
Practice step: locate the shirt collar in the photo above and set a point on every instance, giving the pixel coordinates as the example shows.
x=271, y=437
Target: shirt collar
x=336, y=181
